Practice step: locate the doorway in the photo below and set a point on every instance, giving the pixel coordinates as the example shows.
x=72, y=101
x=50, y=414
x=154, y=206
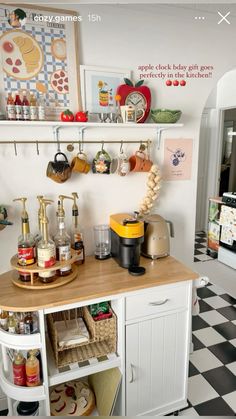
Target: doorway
x=227, y=182
x=217, y=160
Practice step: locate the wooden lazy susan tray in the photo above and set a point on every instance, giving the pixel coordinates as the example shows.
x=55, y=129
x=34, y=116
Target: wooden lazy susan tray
x=35, y=283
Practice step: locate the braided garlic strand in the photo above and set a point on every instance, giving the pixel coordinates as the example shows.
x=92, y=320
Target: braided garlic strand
x=153, y=190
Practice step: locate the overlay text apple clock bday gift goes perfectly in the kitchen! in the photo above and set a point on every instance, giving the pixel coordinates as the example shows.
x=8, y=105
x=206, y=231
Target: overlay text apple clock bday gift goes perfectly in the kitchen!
x=171, y=71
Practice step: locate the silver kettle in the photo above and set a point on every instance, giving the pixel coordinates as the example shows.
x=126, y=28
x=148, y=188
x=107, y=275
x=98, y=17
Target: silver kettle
x=157, y=232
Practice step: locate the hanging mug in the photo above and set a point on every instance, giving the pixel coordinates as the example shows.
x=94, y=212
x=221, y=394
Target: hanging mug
x=101, y=163
x=140, y=162
x=79, y=163
x=123, y=162
x=59, y=170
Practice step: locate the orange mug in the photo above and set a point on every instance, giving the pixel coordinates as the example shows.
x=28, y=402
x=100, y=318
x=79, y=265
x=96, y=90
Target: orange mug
x=79, y=164
x=139, y=162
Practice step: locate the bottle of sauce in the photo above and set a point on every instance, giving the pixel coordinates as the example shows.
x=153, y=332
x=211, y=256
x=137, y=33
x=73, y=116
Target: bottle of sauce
x=62, y=239
x=12, y=323
x=11, y=110
x=28, y=324
x=33, y=108
x=25, y=107
x=32, y=371
x=18, y=107
x=26, y=244
x=77, y=235
x=19, y=373
x=46, y=250
x=37, y=354
x=3, y=320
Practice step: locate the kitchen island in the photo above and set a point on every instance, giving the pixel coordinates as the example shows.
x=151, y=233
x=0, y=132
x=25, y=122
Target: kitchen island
x=153, y=314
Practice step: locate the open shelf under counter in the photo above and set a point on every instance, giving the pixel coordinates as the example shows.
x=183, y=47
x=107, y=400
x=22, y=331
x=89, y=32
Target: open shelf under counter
x=17, y=341
x=24, y=394
x=78, y=369
x=88, y=124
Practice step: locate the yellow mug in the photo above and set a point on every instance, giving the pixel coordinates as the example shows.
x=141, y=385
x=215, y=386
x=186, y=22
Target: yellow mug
x=79, y=164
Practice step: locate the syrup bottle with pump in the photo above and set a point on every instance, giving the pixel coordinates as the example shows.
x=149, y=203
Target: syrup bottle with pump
x=26, y=243
x=62, y=238
x=77, y=235
x=46, y=250
x=38, y=236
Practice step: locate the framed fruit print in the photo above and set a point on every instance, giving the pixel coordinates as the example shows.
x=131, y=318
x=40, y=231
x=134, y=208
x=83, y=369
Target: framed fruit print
x=40, y=55
x=99, y=85
x=138, y=96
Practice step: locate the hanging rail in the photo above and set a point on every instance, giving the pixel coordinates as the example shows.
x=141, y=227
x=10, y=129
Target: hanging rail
x=78, y=142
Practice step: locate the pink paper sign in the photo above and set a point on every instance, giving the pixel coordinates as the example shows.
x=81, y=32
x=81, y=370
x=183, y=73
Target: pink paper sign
x=178, y=159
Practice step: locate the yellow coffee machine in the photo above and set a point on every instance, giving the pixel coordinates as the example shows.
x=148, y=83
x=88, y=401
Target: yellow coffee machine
x=127, y=235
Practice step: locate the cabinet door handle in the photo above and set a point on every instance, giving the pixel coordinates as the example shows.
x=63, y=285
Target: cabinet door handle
x=132, y=378
x=159, y=303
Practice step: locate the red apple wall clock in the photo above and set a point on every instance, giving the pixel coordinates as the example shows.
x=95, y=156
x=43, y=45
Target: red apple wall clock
x=136, y=95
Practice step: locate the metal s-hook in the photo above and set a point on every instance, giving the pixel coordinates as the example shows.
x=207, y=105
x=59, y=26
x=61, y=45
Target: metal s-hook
x=142, y=146
x=15, y=148
x=37, y=147
x=121, y=147
x=56, y=138
x=80, y=148
x=102, y=146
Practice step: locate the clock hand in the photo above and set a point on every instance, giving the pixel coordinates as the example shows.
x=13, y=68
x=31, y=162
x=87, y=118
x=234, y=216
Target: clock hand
x=138, y=102
x=132, y=102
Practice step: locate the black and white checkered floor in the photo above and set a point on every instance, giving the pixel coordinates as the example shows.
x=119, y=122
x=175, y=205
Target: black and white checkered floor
x=212, y=367
x=200, y=248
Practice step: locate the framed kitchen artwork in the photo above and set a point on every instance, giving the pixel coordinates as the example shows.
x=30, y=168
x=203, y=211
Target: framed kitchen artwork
x=99, y=85
x=40, y=55
x=178, y=159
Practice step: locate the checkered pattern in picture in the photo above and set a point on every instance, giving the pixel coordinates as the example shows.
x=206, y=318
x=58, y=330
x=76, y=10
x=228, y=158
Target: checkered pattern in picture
x=44, y=36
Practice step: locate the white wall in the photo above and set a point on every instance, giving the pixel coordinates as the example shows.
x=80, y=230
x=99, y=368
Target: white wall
x=226, y=91
x=127, y=37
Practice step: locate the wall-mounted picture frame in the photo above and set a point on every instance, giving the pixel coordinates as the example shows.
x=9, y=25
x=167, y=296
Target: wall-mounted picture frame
x=40, y=54
x=99, y=85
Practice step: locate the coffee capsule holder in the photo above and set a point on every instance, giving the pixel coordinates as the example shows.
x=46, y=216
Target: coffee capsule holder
x=33, y=270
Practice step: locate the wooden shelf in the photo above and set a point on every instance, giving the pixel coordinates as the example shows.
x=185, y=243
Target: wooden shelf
x=36, y=269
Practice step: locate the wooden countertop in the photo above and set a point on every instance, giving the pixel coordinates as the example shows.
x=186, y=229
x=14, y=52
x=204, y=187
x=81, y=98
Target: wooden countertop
x=95, y=279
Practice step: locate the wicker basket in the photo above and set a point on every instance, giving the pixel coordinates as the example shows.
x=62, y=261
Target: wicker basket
x=102, y=340
x=101, y=329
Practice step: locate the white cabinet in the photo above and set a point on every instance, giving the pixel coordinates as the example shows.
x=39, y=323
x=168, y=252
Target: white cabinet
x=157, y=354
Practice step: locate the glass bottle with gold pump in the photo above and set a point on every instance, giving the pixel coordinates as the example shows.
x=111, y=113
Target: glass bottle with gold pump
x=26, y=243
x=62, y=239
x=77, y=235
x=46, y=249
x=38, y=236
